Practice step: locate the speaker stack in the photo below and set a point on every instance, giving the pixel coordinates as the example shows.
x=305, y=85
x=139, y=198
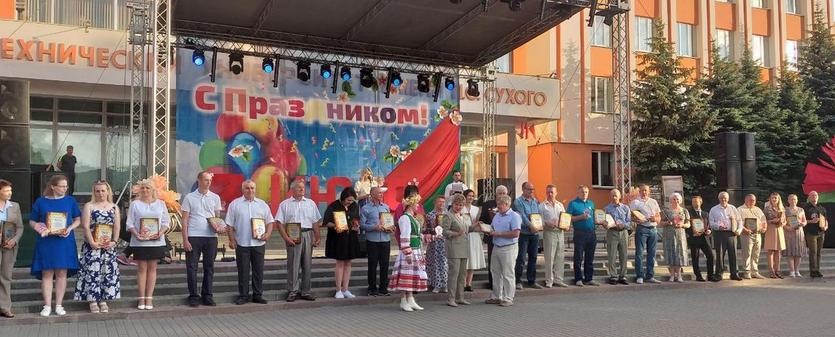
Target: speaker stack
x=736, y=164
x=14, y=139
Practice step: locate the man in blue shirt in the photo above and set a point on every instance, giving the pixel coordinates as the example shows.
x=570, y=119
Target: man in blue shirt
x=617, y=238
x=377, y=243
x=582, y=219
x=506, y=227
x=528, y=240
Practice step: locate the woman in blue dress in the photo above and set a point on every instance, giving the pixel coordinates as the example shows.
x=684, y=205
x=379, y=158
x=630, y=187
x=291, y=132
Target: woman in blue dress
x=98, y=279
x=56, y=255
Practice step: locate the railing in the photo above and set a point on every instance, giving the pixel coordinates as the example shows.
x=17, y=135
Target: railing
x=106, y=14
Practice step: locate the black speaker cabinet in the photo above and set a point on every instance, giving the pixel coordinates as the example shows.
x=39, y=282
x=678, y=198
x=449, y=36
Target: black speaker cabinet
x=727, y=146
x=14, y=102
x=14, y=147
x=728, y=174
x=749, y=174
x=21, y=187
x=747, y=146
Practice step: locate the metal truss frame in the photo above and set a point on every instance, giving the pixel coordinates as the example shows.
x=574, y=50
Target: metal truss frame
x=488, y=134
x=622, y=113
x=138, y=40
x=161, y=88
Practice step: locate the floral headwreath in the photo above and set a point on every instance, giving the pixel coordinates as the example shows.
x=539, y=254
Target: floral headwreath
x=412, y=200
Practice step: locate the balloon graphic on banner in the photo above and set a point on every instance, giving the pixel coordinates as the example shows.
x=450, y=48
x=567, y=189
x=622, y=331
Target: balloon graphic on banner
x=244, y=154
x=212, y=153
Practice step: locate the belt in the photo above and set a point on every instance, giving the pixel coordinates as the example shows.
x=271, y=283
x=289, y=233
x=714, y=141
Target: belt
x=307, y=229
x=507, y=245
x=616, y=229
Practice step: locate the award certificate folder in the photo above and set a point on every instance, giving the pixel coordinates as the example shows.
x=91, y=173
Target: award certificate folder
x=149, y=224
x=751, y=224
x=259, y=227
x=793, y=221
x=600, y=217
x=340, y=219
x=103, y=233
x=56, y=221
x=294, y=231
x=536, y=222
x=216, y=222
x=610, y=221
x=698, y=226
x=387, y=220
x=639, y=216
x=565, y=221
x=8, y=231
x=486, y=228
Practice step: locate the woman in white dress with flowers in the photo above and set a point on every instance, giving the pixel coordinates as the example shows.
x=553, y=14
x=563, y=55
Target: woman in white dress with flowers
x=409, y=272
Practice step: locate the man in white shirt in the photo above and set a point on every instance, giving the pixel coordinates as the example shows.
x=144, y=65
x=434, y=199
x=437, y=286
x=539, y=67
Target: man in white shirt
x=456, y=186
x=751, y=240
x=725, y=222
x=249, y=250
x=553, y=239
x=200, y=238
x=646, y=233
x=304, y=213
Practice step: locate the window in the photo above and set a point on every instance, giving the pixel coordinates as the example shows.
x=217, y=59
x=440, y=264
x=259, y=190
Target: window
x=503, y=64
x=685, y=39
x=791, y=54
x=644, y=33
x=791, y=6
x=758, y=3
x=758, y=51
x=601, y=33
x=723, y=43
x=602, y=169
x=601, y=94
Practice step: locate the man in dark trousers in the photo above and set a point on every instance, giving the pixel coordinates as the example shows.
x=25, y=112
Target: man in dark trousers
x=67, y=165
x=700, y=241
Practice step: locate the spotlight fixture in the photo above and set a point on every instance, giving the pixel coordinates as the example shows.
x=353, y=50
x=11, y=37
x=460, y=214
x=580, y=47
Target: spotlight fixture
x=423, y=82
x=394, y=76
x=198, y=58
x=367, y=77
x=449, y=83
x=472, y=88
x=325, y=71
x=236, y=62
x=515, y=5
x=303, y=70
x=267, y=65
x=345, y=73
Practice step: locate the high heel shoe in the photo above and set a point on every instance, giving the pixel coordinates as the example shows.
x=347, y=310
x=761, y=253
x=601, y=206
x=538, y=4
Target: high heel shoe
x=141, y=305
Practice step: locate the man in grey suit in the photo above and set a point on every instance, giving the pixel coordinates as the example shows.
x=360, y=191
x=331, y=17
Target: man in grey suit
x=11, y=223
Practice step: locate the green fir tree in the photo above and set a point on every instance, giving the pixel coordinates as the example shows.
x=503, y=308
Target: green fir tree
x=816, y=64
x=671, y=116
x=731, y=99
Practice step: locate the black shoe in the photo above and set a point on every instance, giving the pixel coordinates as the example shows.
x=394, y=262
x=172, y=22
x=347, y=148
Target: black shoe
x=384, y=293
x=623, y=281
x=291, y=297
x=468, y=289
x=716, y=279
x=259, y=300
x=241, y=300
x=699, y=278
x=612, y=281
x=194, y=302
x=373, y=293
x=736, y=278
x=307, y=297
x=209, y=301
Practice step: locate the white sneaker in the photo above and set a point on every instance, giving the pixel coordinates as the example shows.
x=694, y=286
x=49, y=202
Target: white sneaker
x=672, y=279
x=679, y=279
x=339, y=294
x=797, y=273
x=639, y=280
x=59, y=309
x=348, y=294
x=46, y=311
x=653, y=280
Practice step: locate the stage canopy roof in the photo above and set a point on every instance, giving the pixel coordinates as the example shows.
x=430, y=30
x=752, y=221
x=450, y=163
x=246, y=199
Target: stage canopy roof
x=434, y=32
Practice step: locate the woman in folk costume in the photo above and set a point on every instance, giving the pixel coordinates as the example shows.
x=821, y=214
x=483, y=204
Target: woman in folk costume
x=409, y=273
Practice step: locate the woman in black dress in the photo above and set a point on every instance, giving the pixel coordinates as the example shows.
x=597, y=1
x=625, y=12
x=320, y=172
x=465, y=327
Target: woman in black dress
x=343, y=244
